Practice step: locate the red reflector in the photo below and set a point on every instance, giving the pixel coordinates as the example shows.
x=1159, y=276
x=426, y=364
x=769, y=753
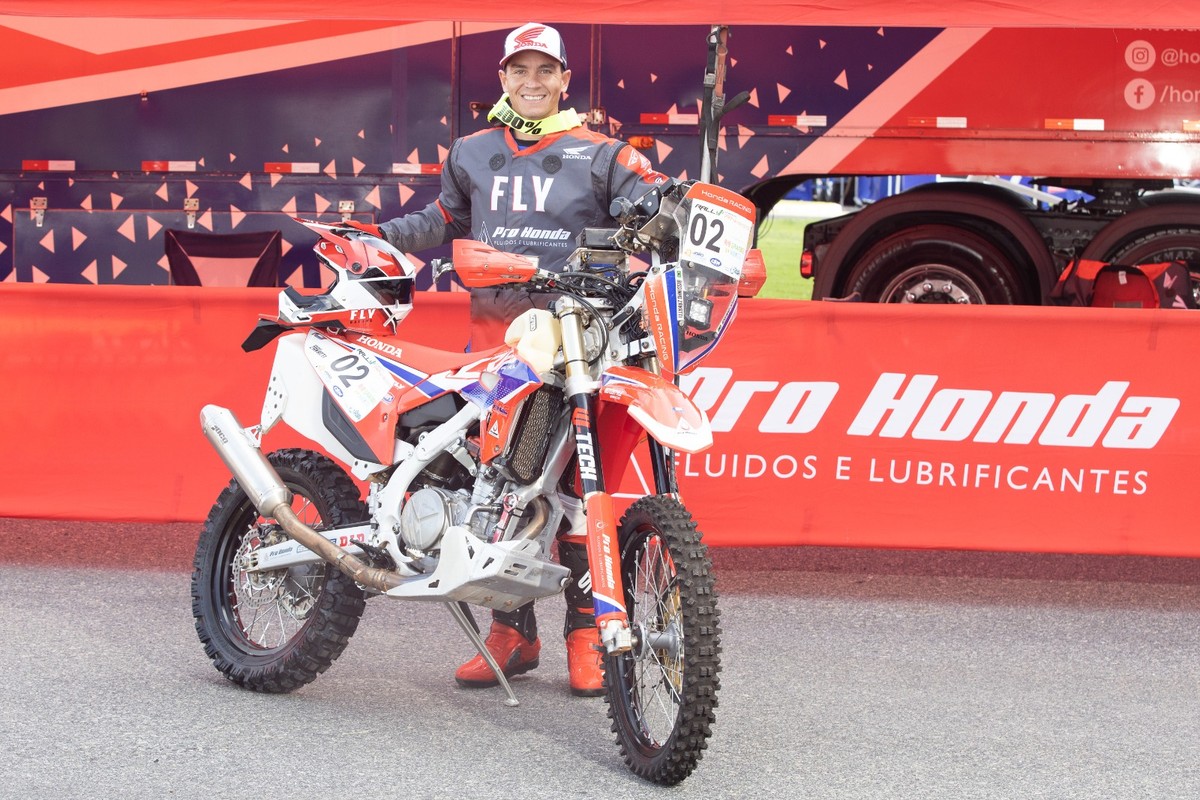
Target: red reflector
x=806, y=264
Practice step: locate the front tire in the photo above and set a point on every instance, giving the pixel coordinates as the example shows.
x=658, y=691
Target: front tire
x=276, y=631
x=662, y=695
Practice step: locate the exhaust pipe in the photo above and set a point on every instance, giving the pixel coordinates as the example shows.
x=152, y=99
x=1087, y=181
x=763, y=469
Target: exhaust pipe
x=244, y=459
x=263, y=486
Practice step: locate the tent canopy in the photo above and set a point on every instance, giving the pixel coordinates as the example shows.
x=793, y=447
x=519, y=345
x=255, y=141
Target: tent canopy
x=924, y=13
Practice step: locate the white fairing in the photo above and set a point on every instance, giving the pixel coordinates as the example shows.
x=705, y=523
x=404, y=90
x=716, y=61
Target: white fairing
x=294, y=396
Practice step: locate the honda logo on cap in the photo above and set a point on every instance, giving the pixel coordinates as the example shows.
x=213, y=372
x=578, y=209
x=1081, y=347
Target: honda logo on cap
x=535, y=36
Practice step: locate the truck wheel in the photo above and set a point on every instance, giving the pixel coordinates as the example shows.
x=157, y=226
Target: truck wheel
x=935, y=264
x=1171, y=244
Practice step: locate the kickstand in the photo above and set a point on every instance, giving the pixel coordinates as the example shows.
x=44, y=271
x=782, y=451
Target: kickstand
x=467, y=622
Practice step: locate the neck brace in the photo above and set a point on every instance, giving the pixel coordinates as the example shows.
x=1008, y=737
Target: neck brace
x=562, y=121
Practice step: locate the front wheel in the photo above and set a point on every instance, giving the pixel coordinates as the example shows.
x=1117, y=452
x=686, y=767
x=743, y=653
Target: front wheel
x=274, y=631
x=662, y=695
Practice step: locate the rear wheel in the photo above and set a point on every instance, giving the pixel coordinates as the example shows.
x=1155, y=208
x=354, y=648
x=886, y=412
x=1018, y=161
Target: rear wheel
x=275, y=631
x=936, y=264
x=662, y=695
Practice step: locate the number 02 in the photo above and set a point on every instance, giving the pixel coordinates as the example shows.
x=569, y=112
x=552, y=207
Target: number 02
x=698, y=232
x=349, y=369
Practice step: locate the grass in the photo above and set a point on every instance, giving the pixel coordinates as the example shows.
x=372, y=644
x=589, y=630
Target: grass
x=781, y=240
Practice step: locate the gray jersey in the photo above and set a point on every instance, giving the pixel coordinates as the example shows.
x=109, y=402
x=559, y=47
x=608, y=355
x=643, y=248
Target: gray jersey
x=533, y=201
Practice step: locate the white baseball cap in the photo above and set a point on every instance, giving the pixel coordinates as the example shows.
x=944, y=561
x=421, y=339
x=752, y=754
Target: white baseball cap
x=535, y=36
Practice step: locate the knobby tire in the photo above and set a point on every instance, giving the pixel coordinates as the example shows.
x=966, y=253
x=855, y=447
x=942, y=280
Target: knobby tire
x=320, y=602
x=662, y=701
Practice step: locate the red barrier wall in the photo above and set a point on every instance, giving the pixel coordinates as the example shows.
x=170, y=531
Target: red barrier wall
x=1071, y=430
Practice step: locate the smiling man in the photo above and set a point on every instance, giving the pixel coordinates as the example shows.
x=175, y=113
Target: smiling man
x=529, y=185
x=533, y=182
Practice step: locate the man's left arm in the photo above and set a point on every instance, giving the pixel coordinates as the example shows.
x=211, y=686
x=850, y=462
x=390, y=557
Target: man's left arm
x=632, y=175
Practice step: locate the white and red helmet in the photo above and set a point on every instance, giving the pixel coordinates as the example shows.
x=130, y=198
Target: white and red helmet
x=372, y=291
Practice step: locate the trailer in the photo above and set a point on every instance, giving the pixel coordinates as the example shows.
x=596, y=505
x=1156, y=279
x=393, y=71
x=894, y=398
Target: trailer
x=124, y=139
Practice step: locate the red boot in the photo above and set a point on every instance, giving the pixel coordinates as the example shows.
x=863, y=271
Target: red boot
x=513, y=652
x=585, y=664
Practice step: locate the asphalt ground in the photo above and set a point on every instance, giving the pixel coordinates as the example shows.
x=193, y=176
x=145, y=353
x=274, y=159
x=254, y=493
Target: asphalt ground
x=847, y=674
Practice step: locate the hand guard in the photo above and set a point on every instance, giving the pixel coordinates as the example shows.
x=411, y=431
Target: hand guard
x=365, y=227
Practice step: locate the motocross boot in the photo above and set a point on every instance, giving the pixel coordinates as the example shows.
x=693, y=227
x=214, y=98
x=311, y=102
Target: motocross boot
x=585, y=662
x=512, y=641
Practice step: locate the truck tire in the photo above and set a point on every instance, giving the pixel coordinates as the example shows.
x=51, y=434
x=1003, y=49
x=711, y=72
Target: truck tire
x=939, y=264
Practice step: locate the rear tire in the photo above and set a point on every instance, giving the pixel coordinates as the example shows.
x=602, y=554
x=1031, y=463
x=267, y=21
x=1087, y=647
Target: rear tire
x=662, y=696
x=276, y=631
x=936, y=264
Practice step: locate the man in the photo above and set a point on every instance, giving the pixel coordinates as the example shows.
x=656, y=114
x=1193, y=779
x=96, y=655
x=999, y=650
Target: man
x=530, y=186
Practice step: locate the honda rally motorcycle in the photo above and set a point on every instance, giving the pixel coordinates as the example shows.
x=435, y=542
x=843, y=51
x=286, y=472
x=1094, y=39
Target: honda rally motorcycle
x=471, y=462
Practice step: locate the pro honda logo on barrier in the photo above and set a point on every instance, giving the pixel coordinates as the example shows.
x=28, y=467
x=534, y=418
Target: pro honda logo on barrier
x=900, y=405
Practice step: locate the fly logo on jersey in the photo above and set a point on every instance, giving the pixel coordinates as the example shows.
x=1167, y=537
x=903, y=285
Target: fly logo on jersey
x=517, y=195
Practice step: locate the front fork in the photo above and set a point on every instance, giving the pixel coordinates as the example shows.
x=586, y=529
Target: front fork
x=603, y=548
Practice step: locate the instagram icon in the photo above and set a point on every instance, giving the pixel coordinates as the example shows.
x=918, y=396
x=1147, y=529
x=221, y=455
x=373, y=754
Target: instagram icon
x=1140, y=55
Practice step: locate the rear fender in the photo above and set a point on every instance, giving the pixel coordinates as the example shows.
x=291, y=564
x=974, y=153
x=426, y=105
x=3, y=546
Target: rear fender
x=658, y=406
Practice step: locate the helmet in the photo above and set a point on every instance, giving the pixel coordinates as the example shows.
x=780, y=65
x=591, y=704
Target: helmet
x=372, y=288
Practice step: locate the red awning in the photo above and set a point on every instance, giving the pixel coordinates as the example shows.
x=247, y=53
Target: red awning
x=925, y=13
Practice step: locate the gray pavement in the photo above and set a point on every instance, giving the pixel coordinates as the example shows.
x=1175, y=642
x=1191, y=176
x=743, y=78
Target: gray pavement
x=848, y=674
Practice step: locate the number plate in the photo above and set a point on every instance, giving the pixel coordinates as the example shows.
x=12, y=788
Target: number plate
x=355, y=377
x=717, y=237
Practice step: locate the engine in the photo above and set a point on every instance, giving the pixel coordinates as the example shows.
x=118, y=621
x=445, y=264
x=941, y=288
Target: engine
x=427, y=515
x=446, y=494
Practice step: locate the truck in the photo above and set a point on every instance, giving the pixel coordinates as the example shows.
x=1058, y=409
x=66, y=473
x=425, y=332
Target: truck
x=1039, y=145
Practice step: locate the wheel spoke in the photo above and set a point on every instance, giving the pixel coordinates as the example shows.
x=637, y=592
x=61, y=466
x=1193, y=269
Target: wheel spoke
x=658, y=683
x=272, y=607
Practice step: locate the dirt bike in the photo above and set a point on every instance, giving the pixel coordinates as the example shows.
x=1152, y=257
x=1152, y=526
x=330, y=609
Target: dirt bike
x=472, y=460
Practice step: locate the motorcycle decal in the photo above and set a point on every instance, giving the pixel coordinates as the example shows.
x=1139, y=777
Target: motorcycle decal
x=504, y=379
x=662, y=311
x=659, y=406
x=355, y=378
x=603, y=558
x=405, y=374
x=494, y=433
x=586, y=451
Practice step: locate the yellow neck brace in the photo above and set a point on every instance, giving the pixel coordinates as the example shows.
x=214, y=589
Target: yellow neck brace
x=562, y=121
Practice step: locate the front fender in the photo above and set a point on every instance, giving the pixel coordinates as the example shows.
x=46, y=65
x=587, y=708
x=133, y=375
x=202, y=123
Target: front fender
x=659, y=406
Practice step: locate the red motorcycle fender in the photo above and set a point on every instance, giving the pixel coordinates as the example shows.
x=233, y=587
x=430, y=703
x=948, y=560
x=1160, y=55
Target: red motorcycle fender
x=659, y=406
